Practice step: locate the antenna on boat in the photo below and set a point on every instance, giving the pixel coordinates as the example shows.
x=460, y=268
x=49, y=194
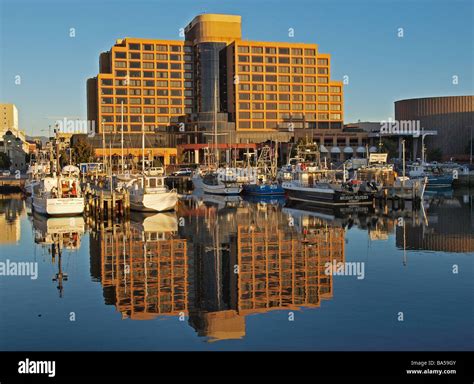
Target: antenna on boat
x=143, y=144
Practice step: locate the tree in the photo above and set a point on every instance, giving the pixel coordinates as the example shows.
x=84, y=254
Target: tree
x=390, y=146
x=5, y=162
x=83, y=151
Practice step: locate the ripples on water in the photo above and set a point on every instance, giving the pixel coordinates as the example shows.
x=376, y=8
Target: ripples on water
x=232, y=273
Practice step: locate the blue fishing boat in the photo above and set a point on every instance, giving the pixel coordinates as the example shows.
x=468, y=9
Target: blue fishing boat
x=436, y=177
x=264, y=189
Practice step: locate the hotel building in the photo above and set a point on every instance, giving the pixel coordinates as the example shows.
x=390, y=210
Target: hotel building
x=178, y=91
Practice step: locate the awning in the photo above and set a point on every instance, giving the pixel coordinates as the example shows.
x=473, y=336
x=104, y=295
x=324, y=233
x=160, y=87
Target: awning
x=335, y=150
x=360, y=150
x=348, y=150
x=322, y=148
x=373, y=149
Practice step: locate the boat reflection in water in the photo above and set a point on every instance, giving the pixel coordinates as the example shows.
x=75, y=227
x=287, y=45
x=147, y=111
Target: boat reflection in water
x=58, y=234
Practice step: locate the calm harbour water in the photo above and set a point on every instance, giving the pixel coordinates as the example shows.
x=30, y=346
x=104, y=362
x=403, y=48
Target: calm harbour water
x=239, y=274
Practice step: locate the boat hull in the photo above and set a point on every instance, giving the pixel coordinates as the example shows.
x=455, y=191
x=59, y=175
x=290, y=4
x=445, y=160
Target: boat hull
x=70, y=206
x=323, y=196
x=263, y=190
x=154, y=202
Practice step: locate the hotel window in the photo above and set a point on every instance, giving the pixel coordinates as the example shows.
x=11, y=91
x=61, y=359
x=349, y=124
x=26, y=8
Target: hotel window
x=162, y=65
x=122, y=91
x=188, y=84
x=162, y=119
x=283, y=69
x=310, y=107
x=322, y=80
x=148, y=74
x=242, y=49
x=297, y=69
x=121, y=73
x=258, y=124
x=323, y=116
x=162, y=92
x=270, y=50
x=120, y=55
x=297, y=88
x=161, y=56
x=175, y=57
x=257, y=96
x=283, y=116
x=257, y=59
x=257, y=77
x=296, y=51
x=297, y=60
x=310, y=97
x=148, y=47
x=335, y=107
x=134, y=55
x=244, y=96
x=188, y=48
x=272, y=115
x=161, y=75
x=148, y=92
x=148, y=83
x=297, y=97
x=176, y=110
x=244, y=59
x=271, y=68
x=188, y=75
x=244, y=105
x=311, y=116
x=108, y=119
x=309, y=61
x=176, y=66
x=176, y=92
x=244, y=115
x=188, y=67
x=310, y=52
x=187, y=58
x=257, y=87
x=257, y=68
x=148, y=65
x=284, y=60
x=284, y=88
x=134, y=100
x=175, y=84
x=297, y=79
x=244, y=68
x=322, y=71
x=271, y=96
x=323, y=107
x=335, y=89
x=284, y=107
x=257, y=106
x=257, y=115
x=244, y=124
x=175, y=48
x=323, y=98
x=149, y=119
x=335, y=116
x=120, y=100
x=257, y=50
x=175, y=75
x=271, y=87
x=310, y=70
x=310, y=79
x=135, y=119
x=298, y=107
x=135, y=74
x=284, y=79
x=148, y=56
x=106, y=82
x=188, y=110
x=134, y=46
x=244, y=87
x=107, y=100
x=161, y=48
x=322, y=89
x=284, y=51
x=271, y=106
x=149, y=110
x=107, y=109
x=176, y=102
x=134, y=64
x=188, y=101
x=323, y=62
x=335, y=98
x=163, y=110
x=244, y=77
x=107, y=91
x=270, y=59
x=271, y=78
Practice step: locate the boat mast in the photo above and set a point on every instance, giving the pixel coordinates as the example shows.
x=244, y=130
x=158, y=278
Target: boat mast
x=143, y=143
x=103, y=148
x=121, y=137
x=403, y=157
x=216, y=152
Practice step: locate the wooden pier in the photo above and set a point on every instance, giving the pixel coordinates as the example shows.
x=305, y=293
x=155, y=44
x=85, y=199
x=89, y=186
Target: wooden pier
x=107, y=206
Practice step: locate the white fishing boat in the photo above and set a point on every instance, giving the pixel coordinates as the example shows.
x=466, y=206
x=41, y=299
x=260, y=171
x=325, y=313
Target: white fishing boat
x=150, y=194
x=59, y=195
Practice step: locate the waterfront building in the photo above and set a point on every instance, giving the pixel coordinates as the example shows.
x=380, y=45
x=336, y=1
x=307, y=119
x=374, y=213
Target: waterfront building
x=9, y=122
x=178, y=90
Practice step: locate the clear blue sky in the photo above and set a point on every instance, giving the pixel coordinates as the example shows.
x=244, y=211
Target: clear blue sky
x=361, y=37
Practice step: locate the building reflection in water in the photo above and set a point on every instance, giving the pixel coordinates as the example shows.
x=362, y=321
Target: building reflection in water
x=239, y=259
x=11, y=208
x=57, y=235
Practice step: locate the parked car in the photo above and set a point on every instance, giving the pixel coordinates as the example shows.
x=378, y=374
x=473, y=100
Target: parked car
x=183, y=172
x=6, y=173
x=156, y=171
